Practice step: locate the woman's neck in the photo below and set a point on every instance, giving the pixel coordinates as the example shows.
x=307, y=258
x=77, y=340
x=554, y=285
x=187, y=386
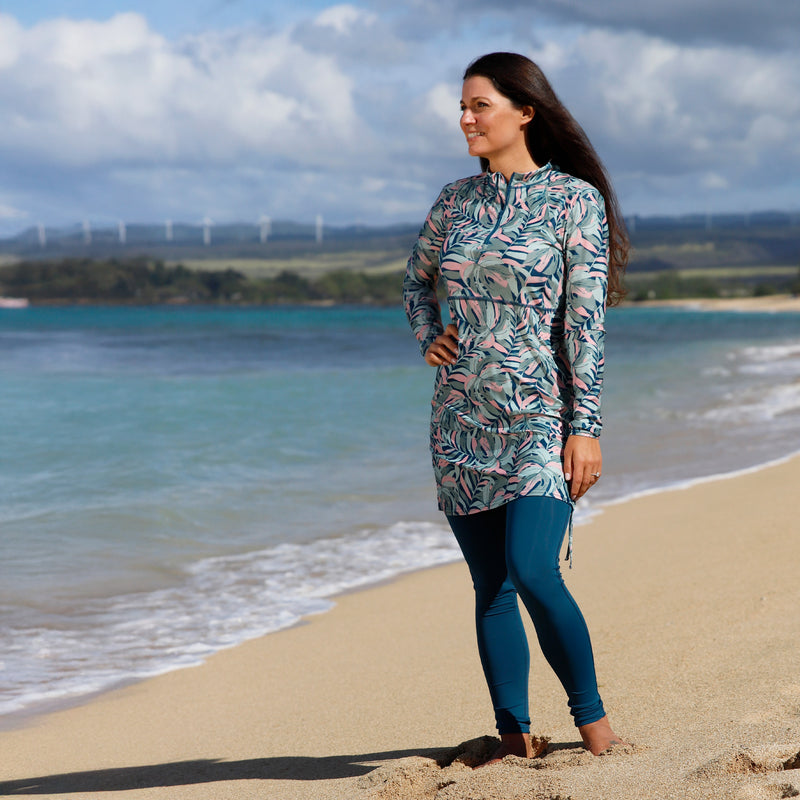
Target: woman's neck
x=509, y=166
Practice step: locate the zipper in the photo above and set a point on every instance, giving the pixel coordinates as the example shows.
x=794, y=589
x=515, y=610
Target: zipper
x=505, y=206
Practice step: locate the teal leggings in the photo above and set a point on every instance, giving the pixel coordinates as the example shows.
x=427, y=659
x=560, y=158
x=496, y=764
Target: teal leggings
x=514, y=550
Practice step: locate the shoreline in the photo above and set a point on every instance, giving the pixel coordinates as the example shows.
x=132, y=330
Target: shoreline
x=775, y=303
x=20, y=717
x=699, y=631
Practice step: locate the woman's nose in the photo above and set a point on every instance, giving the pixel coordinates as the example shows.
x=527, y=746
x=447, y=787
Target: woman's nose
x=467, y=117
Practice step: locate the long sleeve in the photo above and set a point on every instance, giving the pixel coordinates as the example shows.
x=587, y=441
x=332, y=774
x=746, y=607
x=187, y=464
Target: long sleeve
x=422, y=276
x=586, y=285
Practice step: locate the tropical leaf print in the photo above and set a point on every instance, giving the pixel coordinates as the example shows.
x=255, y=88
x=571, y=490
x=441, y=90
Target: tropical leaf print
x=525, y=266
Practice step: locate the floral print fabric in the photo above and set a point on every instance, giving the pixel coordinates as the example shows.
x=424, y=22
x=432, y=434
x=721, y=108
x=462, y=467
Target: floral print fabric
x=525, y=266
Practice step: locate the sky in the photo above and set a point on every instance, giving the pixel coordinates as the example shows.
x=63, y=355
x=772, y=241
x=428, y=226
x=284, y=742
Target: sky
x=236, y=109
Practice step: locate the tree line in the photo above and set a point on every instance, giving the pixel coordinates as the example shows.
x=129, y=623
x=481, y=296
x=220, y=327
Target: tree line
x=145, y=281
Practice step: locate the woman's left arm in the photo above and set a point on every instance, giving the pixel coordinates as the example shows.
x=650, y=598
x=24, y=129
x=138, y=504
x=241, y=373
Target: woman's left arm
x=586, y=283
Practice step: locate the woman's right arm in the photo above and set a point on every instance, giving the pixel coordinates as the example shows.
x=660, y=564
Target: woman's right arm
x=422, y=276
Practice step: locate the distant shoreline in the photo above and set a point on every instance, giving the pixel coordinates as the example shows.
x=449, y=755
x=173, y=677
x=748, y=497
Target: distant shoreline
x=771, y=303
x=779, y=303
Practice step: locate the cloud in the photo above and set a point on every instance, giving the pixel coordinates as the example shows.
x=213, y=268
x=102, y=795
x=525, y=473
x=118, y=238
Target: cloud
x=727, y=21
x=352, y=35
x=9, y=212
x=218, y=122
x=83, y=92
x=343, y=18
x=351, y=111
x=768, y=23
x=666, y=109
x=712, y=180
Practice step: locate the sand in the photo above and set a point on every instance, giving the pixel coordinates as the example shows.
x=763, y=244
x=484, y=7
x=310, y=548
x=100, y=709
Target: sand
x=692, y=597
x=774, y=302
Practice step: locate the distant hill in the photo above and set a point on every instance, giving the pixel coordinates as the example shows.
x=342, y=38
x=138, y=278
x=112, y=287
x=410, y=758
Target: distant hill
x=183, y=242
x=659, y=243
x=696, y=255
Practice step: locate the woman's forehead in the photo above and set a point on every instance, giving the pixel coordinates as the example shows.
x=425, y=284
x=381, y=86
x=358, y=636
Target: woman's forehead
x=478, y=86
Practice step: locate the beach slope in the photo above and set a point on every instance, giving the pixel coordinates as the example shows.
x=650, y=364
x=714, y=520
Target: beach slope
x=692, y=598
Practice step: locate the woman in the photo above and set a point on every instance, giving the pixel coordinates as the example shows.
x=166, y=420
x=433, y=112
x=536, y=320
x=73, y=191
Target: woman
x=530, y=251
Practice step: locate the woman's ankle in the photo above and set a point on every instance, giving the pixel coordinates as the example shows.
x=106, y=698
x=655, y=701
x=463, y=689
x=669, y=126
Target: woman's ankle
x=516, y=744
x=598, y=736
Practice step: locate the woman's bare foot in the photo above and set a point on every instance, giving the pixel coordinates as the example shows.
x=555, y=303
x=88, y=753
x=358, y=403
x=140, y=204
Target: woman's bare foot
x=598, y=736
x=517, y=744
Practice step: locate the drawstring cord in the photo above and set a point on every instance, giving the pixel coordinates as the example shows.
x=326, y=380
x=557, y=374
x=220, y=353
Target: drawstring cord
x=568, y=557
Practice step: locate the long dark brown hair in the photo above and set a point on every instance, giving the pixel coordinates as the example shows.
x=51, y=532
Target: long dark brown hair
x=554, y=135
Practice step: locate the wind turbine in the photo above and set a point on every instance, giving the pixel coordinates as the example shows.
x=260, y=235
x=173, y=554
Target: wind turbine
x=168, y=229
x=319, y=229
x=123, y=232
x=207, y=223
x=42, y=234
x=264, y=228
x=87, y=232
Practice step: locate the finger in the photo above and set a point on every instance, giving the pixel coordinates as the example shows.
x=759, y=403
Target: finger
x=449, y=349
x=449, y=341
x=568, y=464
x=439, y=353
x=446, y=347
x=590, y=477
x=586, y=483
x=576, y=486
x=434, y=358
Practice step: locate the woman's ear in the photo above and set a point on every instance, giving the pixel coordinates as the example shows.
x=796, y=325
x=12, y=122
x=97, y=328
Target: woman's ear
x=527, y=114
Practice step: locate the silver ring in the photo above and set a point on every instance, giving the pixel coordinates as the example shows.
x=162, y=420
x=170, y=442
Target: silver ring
x=595, y=474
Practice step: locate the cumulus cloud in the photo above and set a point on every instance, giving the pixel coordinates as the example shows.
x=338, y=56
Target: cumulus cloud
x=697, y=105
x=352, y=35
x=344, y=17
x=352, y=111
x=83, y=92
x=666, y=115
x=218, y=121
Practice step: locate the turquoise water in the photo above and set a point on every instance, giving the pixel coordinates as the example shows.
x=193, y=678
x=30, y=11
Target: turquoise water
x=174, y=481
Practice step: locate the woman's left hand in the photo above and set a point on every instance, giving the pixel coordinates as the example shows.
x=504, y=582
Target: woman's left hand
x=583, y=463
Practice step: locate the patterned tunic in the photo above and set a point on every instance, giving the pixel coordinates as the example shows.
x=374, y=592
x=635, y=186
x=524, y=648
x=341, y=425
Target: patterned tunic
x=525, y=265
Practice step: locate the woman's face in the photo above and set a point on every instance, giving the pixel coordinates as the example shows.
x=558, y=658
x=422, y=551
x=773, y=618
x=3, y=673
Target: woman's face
x=493, y=125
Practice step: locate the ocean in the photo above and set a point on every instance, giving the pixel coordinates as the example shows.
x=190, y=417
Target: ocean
x=174, y=481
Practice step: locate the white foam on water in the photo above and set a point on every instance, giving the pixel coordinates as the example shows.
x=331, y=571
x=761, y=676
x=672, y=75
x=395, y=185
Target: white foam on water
x=222, y=602
x=68, y=650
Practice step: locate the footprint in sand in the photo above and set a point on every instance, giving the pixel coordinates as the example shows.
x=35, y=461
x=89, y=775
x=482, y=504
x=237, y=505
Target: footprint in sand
x=757, y=768
x=452, y=777
x=767, y=792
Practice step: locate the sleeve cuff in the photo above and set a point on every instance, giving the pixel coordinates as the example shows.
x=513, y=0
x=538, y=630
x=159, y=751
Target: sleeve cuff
x=586, y=428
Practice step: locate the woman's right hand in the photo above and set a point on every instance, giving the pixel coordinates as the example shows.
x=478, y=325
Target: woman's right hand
x=444, y=348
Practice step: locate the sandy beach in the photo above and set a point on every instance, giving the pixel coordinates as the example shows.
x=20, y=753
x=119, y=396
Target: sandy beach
x=773, y=302
x=691, y=596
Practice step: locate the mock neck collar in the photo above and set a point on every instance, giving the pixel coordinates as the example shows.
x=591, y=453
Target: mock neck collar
x=519, y=178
